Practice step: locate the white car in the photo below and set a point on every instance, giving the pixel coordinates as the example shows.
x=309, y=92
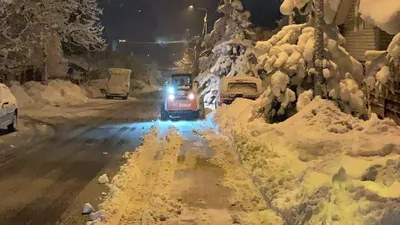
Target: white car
x=8, y=109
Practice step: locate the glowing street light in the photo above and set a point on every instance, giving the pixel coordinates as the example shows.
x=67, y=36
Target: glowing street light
x=205, y=26
x=122, y=41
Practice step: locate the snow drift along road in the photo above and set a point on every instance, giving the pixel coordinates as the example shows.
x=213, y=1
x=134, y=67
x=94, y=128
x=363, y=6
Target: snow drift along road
x=321, y=165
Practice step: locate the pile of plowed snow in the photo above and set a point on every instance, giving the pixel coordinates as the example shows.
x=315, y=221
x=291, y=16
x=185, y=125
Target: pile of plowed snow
x=338, y=167
x=56, y=92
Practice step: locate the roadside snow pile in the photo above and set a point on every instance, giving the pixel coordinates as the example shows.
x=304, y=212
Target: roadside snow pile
x=55, y=93
x=140, y=192
x=103, y=179
x=321, y=165
x=384, y=13
x=23, y=99
x=287, y=60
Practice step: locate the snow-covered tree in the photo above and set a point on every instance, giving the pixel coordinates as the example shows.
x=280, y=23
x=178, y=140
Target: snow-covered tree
x=31, y=32
x=288, y=62
x=82, y=27
x=187, y=62
x=229, y=49
x=27, y=26
x=383, y=68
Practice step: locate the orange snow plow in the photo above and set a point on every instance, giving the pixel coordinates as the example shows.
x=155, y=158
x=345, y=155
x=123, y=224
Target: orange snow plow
x=181, y=99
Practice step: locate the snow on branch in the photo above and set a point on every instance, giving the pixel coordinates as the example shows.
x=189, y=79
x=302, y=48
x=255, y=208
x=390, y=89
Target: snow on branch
x=83, y=26
x=287, y=60
x=229, y=48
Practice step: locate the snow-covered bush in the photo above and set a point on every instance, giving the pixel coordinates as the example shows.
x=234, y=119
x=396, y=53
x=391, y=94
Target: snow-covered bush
x=287, y=62
x=229, y=49
x=383, y=68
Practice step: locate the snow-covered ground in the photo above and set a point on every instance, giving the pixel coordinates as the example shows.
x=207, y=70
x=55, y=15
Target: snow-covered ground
x=183, y=173
x=56, y=92
x=320, y=166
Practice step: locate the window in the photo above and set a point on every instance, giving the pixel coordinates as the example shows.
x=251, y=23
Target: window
x=244, y=88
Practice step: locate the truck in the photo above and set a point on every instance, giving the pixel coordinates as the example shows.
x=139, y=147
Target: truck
x=118, y=85
x=231, y=88
x=180, y=98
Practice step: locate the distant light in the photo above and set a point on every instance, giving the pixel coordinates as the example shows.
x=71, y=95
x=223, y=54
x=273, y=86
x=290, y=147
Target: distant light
x=171, y=97
x=148, y=55
x=191, y=7
x=122, y=41
x=173, y=53
x=139, y=10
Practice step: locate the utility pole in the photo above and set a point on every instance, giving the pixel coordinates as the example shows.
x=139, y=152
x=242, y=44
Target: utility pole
x=319, y=48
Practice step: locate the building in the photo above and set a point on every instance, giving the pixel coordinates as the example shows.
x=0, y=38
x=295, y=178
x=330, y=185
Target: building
x=361, y=36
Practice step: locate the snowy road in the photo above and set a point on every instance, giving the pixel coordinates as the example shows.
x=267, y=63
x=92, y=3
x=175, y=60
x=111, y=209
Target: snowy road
x=48, y=181
x=184, y=173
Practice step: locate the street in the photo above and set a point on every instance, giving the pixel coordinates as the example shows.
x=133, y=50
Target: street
x=48, y=180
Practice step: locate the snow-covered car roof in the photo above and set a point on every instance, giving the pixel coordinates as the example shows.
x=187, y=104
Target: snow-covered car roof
x=241, y=78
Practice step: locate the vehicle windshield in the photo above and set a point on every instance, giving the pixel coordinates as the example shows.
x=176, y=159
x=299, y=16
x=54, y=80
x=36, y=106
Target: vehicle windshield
x=242, y=88
x=181, y=80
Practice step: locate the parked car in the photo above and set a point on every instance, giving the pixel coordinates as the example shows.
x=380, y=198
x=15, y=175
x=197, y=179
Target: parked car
x=231, y=88
x=119, y=82
x=8, y=109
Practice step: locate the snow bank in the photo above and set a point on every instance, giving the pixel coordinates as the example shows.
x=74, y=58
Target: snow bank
x=320, y=159
x=23, y=99
x=134, y=196
x=384, y=13
x=55, y=93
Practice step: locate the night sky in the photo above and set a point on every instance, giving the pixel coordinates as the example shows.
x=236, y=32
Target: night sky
x=149, y=20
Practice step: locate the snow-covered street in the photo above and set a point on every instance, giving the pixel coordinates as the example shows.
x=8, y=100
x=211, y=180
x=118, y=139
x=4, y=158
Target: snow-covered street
x=200, y=112
x=184, y=173
x=46, y=176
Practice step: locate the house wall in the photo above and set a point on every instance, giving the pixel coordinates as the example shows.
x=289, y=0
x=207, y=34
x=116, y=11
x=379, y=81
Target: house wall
x=384, y=39
x=361, y=40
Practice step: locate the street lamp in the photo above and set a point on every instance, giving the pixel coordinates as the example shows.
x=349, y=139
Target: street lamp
x=205, y=25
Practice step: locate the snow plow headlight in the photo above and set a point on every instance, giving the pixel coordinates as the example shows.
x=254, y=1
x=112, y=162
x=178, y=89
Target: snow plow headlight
x=171, y=97
x=191, y=96
x=171, y=90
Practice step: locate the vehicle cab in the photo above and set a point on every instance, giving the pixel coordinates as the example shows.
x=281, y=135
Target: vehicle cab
x=180, y=98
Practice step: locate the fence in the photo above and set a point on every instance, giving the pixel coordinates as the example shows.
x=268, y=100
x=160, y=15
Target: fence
x=389, y=106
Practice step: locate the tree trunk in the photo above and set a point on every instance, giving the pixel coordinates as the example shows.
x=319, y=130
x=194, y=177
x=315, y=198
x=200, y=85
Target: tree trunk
x=319, y=48
x=291, y=19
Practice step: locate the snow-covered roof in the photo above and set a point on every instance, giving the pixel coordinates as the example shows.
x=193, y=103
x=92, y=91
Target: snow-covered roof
x=385, y=14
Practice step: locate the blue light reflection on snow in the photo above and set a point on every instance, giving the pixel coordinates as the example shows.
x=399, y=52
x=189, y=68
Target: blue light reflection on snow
x=131, y=134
